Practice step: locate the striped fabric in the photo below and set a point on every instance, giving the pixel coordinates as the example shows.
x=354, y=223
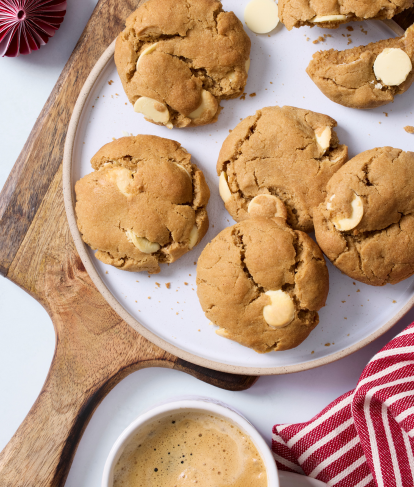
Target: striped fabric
x=366, y=437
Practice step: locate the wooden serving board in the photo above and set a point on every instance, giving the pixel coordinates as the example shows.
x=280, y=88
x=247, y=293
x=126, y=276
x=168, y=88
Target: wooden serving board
x=95, y=349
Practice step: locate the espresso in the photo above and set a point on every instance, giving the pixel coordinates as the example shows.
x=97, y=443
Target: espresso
x=190, y=449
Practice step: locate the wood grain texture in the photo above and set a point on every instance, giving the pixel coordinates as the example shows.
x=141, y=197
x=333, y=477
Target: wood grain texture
x=95, y=349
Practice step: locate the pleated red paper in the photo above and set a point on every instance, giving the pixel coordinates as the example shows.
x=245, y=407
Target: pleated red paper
x=25, y=25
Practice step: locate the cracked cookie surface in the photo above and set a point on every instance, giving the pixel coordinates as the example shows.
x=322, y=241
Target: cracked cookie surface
x=380, y=248
x=330, y=14
x=286, y=152
x=252, y=258
x=184, y=55
x=348, y=78
x=145, y=204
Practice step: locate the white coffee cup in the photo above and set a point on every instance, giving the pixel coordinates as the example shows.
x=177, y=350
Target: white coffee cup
x=206, y=405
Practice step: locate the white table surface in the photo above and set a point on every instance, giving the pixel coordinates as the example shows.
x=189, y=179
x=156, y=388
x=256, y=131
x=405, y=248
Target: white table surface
x=26, y=332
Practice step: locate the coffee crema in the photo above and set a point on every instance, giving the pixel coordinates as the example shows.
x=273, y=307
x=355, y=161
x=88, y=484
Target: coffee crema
x=187, y=449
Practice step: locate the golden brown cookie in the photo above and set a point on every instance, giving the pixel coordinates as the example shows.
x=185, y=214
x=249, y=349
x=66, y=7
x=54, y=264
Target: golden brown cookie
x=365, y=76
x=324, y=13
x=365, y=226
x=177, y=59
x=286, y=153
x=262, y=283
x=145, y=204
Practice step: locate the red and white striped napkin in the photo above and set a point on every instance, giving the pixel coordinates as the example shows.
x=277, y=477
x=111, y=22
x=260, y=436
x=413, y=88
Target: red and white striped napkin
x=366, y=437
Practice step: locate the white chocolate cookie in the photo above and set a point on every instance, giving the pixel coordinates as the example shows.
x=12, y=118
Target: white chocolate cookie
x=144, y=204
x=262, y=284
x=277, y=163
x=177, y=59
x=332, y=13
x=365, y=226
x=365, y=76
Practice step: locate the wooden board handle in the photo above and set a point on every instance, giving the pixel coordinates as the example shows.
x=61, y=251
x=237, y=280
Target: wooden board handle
x=41, y=451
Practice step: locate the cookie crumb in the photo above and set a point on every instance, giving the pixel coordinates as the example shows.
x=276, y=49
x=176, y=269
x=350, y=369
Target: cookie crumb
x=345, y=318
x=158, y=284
x=394, y=301
x=343, y=301
x=385, y=113
x=194, y=263
x=167, y=285
x=349, y=42
x=243, y=97
x=252, y=95
x=313, y=351
x=327, y=344
x=110, y=82
x=149, y=297
x=316, y=41
x=349, y=28
x=358, y=291
x=106, y=272
x=409, y=129
x=136, y=301
x=354, y=283
x=186, y=283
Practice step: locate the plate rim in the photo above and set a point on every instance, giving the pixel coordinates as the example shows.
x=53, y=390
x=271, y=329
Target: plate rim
x=81, y=248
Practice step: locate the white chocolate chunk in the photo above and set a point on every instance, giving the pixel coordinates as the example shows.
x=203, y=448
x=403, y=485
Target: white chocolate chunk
x=193, y=237
x=345, y=224
x=247, y=66
x=122, y=177
x=328, y=18
x=232, y=74
x=148, y=50
x=141, y=243
x=184, y=169
x=224, y=189
x=392, y=66
x=261, y=16
x=281, y=311
x=222, y=332
x=268, y=206
x=323, y=138
x=207, y=108
x=329, y=204
x=153, y=109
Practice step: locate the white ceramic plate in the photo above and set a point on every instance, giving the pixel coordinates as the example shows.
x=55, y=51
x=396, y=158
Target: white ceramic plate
x=172, y=318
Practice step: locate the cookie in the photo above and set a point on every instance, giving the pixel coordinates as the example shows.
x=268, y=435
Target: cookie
x=145, y=204
x=262, y=284
x=365, y=226
x=286, y=153
x=365, y=76
x=177, y=59
x=295, y=13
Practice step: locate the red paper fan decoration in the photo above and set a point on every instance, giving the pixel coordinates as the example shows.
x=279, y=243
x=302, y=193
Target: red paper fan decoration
x=25, y=25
